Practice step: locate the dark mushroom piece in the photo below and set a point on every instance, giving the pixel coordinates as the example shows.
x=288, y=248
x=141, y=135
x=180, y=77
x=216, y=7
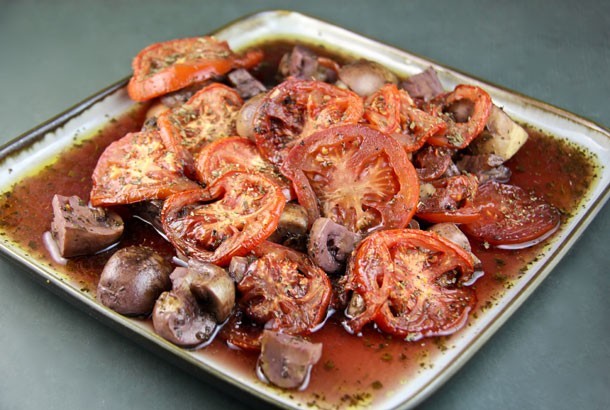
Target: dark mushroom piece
x=244, y=123
x=302, y=63
x=177, y=317
x=291, y=230
x=423, y=86
x=211, y=286
x=132, y=280
x=246, y=85
x=238, y=267
x=452, y=232
x=286, y=361
x=330, y=244
x=81, y=230
x=364, y=77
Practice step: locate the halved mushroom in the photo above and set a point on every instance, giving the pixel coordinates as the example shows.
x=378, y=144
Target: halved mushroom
x=292, y=227
x=364, y=77
x=244, y=123
x=286, y=361
x=81, y=230
x=178, y=318
x=452, y=232
x=132, y=280
x=211, y=286
x=330, y=244
x=502, y=136
x=423, y=86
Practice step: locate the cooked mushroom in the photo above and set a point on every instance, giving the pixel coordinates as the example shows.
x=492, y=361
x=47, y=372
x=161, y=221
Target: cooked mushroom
x=364, y=77
x=286, y=361
x=178, y=318
x=238, y=267
x=81, y=230
x=502, y=136
x=487, y=167
x=451, y=231
x=303, y=63
x=246, y=85
x=211, y=286
x=245, y=117
x=330, y=244
x=423, y=86
x=292, y=227
x=132, y=279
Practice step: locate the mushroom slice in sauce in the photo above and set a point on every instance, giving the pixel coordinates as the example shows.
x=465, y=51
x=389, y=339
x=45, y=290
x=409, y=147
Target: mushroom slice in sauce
x=330, y=244
x=132, y=280
x=502, y=136
x=364, y=77
x=292, y=228
x=81, y=230
x=211, y=286
x=452, y=232
x=423, y=86
x=177, y=317
x=286, y=361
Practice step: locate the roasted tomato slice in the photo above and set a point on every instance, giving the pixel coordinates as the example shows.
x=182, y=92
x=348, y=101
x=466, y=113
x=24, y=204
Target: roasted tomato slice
x=449, y=200
x=207, y=116
x=297, y=108
x=229, y=218
x=410, y=283
x=356, y=176
x=284, y=290
x=511, y=217
x=171, y=65
x=241, y=154
x=392, y=111
x=465, y=110
x=135, y=168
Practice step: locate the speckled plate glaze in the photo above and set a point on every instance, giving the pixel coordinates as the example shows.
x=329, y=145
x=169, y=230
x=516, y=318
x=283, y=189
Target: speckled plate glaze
x=24, y=155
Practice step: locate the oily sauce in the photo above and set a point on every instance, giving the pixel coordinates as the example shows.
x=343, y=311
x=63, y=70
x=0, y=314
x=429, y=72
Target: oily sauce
x=353, y=371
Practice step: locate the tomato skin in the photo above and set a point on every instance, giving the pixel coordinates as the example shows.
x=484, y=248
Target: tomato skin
x=297, y=108
x=135, y=168
x=356, y=176
x=210, y=114
x=460, y=134
x=168, y=66
x=510, y=216
x=406, y=279
x=285, y=290
x=241, y=154
x=392, y=111
x=452, y=201
x=229, y=218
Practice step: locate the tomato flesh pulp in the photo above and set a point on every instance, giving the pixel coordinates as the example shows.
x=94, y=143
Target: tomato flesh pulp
x=355, y=175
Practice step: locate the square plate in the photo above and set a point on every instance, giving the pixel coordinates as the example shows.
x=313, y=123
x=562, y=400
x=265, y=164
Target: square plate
x=24, y=156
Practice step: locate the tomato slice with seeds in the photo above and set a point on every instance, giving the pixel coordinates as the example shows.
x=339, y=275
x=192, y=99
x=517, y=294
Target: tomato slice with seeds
x=411, y=284
x=207, y=116
x=284, y=290
x=135, y=168
x=451, y=200
x=392, y=111
x=355, y=175
x=297, y=108
x=229, y=218
x=171, y=65
x=241, y=154
x=511, y=216
x=460, y=133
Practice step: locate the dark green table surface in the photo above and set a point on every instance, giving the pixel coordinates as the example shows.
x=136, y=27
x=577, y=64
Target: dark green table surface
x=553, y=353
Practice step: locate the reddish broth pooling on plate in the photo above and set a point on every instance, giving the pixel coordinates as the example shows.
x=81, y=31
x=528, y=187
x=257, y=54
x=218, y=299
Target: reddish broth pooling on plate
x=338, y=379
